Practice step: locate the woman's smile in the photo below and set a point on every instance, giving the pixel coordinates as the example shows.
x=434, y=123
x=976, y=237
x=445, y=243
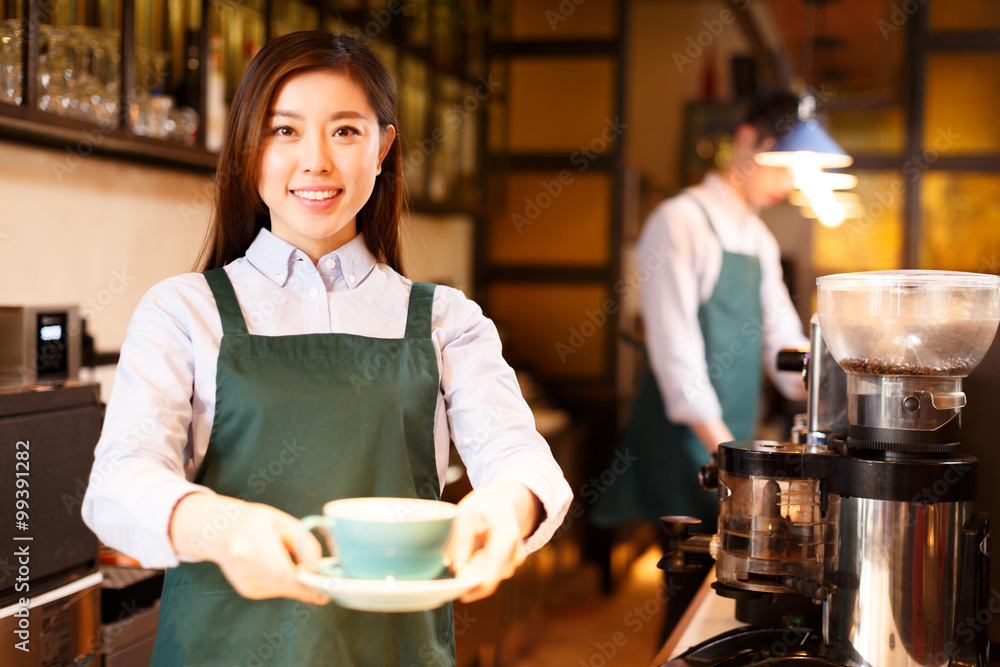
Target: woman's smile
x=317, y=195
x=318, y=198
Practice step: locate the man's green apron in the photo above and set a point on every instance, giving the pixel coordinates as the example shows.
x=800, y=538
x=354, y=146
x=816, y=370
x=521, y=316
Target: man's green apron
x=664, y=478
x=301, y=420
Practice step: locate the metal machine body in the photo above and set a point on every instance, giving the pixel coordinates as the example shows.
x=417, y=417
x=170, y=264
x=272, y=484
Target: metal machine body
x=868, y=511
x=880, y=543
x=899, y=570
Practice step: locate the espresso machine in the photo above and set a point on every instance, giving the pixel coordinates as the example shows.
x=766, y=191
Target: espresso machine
x=859, y=532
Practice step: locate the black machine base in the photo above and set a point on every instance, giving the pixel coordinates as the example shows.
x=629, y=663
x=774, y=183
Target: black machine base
x=942, y=440
x=754, y=646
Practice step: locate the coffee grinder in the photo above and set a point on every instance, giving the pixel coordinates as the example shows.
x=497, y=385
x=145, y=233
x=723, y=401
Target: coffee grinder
x=868, y=521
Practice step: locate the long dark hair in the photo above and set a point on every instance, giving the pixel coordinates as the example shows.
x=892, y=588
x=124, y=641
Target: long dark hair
x=239, y=212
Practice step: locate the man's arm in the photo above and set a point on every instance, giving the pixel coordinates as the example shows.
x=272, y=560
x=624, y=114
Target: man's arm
x=712, y=434
x=782, y=327
x=674, y=251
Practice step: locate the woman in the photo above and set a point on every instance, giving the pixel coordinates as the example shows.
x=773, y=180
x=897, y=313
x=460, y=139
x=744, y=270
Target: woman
x=302, y=366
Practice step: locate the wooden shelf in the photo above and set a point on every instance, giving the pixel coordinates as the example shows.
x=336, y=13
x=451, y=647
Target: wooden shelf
x=394, y=30
x=83, y=139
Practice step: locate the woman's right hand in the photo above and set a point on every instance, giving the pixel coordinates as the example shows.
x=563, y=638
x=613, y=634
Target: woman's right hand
x=253, y=545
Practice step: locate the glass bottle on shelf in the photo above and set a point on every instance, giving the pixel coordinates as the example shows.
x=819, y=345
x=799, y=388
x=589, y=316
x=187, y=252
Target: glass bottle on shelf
x=53, y=68
x=183, y=73
x=165, y=95
x=216, y=107
x=11, y=69
x=237, y=32
x=188, y=90
x=100, y=85
x=184, y=44
x=79, y=61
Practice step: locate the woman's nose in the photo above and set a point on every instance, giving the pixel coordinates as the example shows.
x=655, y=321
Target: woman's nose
x=315, y=157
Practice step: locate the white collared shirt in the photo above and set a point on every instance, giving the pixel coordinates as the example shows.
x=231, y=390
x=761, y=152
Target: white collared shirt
x=684, y=257
x=162, y=403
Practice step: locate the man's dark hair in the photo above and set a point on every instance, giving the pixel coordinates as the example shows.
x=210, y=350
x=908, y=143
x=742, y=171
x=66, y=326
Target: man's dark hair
x=773, y=115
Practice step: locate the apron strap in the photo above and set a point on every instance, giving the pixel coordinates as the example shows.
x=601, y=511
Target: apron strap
x=225, y=301
x=418, y=312
x=705, y=212
x=708, y=218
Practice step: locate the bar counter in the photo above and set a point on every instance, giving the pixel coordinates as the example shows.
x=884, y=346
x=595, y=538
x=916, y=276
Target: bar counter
x=708, y=615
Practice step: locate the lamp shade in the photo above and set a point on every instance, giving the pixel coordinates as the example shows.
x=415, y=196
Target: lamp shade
x=807, y=136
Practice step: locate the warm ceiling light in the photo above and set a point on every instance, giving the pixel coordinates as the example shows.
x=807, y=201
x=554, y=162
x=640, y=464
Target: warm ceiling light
x=833, y=181
x=806, y=137
x=823, y=213
x=798, y=198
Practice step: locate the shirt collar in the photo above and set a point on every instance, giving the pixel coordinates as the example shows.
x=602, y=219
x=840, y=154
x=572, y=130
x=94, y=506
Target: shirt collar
x=274, y=256
x=352, y=260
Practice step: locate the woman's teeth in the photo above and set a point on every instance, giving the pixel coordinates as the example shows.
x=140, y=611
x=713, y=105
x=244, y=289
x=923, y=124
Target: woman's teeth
x=314, y=195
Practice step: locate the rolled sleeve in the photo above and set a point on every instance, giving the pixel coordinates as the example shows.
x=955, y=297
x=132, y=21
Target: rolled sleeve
x=782, y=326
x=139, y=462
x=491, y=424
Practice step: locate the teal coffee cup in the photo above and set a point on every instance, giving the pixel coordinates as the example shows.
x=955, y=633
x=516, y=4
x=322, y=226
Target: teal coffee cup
x=378, y=538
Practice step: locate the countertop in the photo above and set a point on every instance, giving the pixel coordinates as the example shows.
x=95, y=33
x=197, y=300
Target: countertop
x=708, y=615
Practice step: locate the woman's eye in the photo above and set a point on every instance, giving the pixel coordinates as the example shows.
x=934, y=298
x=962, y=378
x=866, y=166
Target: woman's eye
x=282, y=131
x=346, y=132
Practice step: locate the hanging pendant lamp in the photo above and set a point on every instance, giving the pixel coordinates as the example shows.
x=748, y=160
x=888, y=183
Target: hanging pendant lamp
x=806, y=136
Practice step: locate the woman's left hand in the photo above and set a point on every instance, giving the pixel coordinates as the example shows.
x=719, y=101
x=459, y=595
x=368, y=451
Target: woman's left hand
x=488, y=533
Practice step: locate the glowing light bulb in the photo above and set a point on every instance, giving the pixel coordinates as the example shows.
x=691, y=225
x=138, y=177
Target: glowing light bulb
x=805, y=170
x=817, y=189
x=836, y=181
x=831, y=216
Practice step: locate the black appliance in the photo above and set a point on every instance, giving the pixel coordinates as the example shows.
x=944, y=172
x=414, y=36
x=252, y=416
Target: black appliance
x=49, y=576
x=867, y=515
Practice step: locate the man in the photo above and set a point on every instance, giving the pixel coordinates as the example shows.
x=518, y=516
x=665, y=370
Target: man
x=715, y=315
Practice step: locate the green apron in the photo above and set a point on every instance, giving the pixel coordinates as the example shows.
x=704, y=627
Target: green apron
x=664, y=478
x=301, y=420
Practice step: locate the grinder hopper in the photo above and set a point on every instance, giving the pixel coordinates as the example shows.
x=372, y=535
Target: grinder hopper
x=906, y=340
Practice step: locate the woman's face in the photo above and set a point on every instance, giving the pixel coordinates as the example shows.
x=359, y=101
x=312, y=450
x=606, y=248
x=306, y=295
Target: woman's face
x=322, y=150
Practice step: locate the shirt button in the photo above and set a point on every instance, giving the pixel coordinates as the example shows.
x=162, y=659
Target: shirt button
x=330, y=264
x=351, y=278
x=314, y=292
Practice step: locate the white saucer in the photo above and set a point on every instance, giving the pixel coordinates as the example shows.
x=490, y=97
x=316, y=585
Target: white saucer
x=389, y=595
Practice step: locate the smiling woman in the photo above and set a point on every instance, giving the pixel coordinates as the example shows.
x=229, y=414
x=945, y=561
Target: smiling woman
x=321, y=154
x=370, y=97
x=303, y=342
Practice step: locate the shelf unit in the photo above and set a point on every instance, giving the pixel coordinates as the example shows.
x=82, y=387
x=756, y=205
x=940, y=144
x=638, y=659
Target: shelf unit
x=164, y=53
